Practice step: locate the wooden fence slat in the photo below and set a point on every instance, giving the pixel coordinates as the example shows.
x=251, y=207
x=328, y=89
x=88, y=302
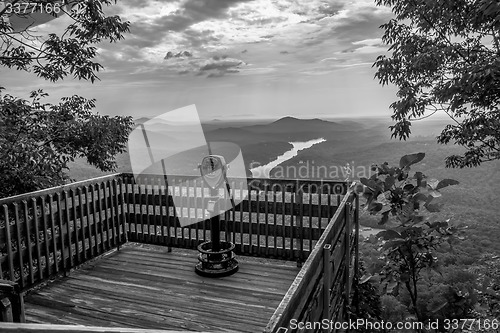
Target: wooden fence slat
x=95, y=219
x=45, y=237
x=300, y=221
x=37, y=239
x=90, y=225
x=22, y=281
x=241, y=213
x=10, y=258
x=140, y=236
x=292, y=222
x=275, y=220
x=258, y=219
x=283, y=221
x=310, y=219
x=61, y=231
x=124, y=216
x=82, y=223
x=53, y=232
x=106, y=215
x=327, y=276
x=266, y=220
x=28, y=242
x=75, y=227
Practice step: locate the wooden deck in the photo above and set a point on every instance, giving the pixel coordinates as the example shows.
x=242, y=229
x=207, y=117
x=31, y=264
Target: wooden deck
x=145, y=286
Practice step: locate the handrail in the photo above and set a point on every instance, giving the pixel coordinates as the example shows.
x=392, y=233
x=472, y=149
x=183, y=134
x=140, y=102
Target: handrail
x=280, y=218
x=56, y=189
x=307, y=283
x=62, y=227
x=48, y=232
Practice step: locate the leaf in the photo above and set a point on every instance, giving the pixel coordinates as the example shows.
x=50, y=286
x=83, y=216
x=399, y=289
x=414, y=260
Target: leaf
x=439, y=307
x=446, y=182
x=408, y=160
x=365, y=278
x=432, y=184
x=419, y=176
x=392, y=288
x=385, y=217
x=365, y=181
x=434, y=194
x=388, y=234
x=389, y=182
x=375, y=207
x=433, y=208
x=393, y=244
x=420, y=197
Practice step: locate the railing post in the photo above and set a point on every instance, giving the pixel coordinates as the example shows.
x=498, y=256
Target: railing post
x=11, y=302
x=300, y=222
x=6, y=310
x=356, y=254
x=347, y=259
x=327, y=278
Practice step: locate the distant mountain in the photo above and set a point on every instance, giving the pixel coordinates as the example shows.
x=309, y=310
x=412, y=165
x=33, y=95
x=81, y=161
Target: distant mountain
x=301, y=129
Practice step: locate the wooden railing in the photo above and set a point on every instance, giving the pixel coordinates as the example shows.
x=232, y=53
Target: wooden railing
x=49, y=232
x=279, y=218
x=313, y=222
x=322, y=290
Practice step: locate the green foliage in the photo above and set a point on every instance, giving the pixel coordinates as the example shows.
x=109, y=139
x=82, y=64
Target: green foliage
x=39, y=140
x=408, y=247
x=445, y=58
x=54, y=57
x=366, y=297
x=392, y=310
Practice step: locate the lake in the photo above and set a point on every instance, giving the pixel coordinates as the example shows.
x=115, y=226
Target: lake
x=264, y=170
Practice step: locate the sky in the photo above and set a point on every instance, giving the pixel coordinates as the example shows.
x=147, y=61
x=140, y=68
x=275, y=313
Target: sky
x=234, y=59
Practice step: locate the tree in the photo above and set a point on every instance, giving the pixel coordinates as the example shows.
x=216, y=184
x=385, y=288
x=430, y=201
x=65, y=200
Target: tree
x=409, y=246
x=37, y=140
x=446, y=58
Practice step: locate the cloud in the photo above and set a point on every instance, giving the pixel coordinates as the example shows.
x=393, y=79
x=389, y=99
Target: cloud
x=314, y=31
x=180, y=54
x=194, y=11
x=217, y=67
x=185, y=62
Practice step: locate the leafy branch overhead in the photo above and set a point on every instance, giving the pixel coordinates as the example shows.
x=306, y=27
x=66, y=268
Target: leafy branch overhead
x=38, y=141
x=445, y=57
x=53, y=57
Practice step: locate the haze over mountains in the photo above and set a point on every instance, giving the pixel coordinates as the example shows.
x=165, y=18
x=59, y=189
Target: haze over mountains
x=262, y=141
x=359, y=142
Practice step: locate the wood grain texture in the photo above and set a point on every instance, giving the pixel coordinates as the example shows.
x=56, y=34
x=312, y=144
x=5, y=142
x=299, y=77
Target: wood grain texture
x=145, y=286
x=50, y=328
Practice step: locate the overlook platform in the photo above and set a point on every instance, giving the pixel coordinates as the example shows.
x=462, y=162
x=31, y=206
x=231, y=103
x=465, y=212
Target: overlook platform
x=110, y=255
x=145, y=286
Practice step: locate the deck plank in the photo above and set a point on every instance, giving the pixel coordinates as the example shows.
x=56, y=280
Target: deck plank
x=144, y=286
